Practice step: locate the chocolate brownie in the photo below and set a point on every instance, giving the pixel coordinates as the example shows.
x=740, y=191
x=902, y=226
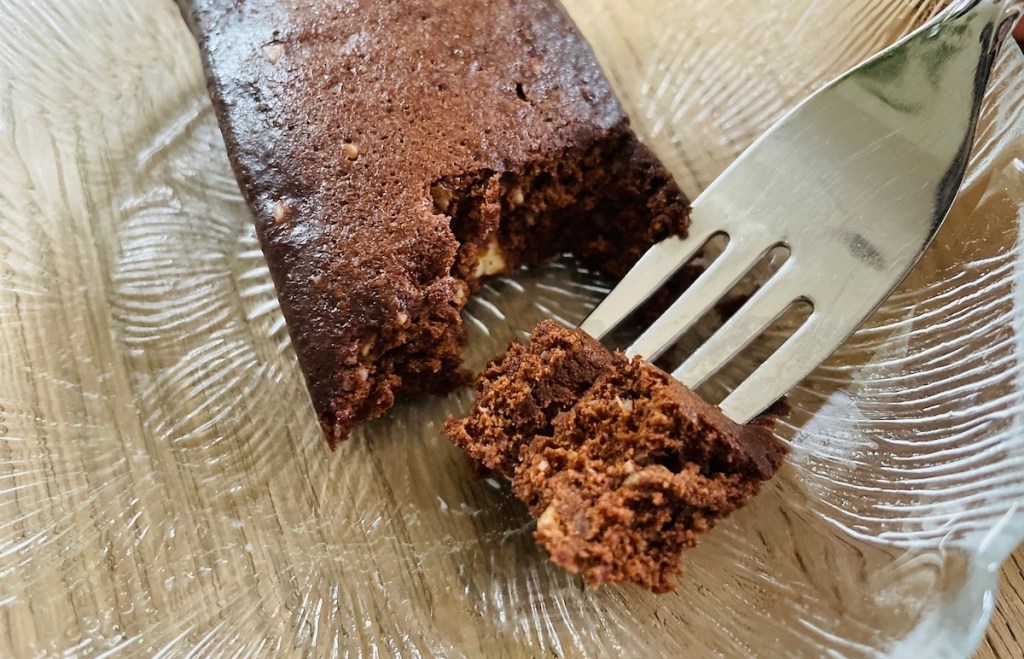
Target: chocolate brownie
x=395, y=152
x=623, y=466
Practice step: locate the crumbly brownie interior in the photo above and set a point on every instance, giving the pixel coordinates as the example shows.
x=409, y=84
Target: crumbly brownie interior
x=607, y=204
x=623, y=466
x=633, y=474
x=521, y=392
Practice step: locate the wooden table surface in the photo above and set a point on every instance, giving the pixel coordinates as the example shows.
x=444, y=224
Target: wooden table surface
x=1005, y=638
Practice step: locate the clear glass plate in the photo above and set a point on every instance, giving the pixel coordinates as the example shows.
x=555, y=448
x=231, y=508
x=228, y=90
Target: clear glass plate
x=165, y=489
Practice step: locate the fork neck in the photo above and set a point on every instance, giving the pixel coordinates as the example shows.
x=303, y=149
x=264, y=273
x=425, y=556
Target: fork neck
x=1010, y=11
x=1002, y=15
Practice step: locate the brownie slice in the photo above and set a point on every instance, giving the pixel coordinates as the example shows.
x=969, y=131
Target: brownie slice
x=396, y=152
x=623, y=466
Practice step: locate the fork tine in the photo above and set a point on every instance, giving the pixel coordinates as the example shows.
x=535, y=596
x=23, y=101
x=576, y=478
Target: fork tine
x=811, y=345
x=734, y=262
x=740, y=331
x=645, y=278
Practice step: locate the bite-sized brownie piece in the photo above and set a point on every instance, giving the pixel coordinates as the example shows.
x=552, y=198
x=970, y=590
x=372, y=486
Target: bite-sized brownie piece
x=520, y=393
x=395, y=152
x=623, y=466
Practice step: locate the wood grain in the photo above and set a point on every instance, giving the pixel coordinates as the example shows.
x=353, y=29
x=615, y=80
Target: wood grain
x=1005, y=638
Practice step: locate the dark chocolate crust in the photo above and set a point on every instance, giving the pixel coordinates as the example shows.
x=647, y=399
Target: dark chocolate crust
x=623, y=466
x=384, y=145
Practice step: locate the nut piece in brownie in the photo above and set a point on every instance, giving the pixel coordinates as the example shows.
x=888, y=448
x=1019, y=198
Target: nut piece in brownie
x=395, y=153
x=623, y=466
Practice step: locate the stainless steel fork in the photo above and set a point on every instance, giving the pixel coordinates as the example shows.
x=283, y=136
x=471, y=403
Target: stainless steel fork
x=855, y=182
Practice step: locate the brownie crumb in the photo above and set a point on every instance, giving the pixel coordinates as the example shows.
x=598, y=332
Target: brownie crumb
x=622, y=465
